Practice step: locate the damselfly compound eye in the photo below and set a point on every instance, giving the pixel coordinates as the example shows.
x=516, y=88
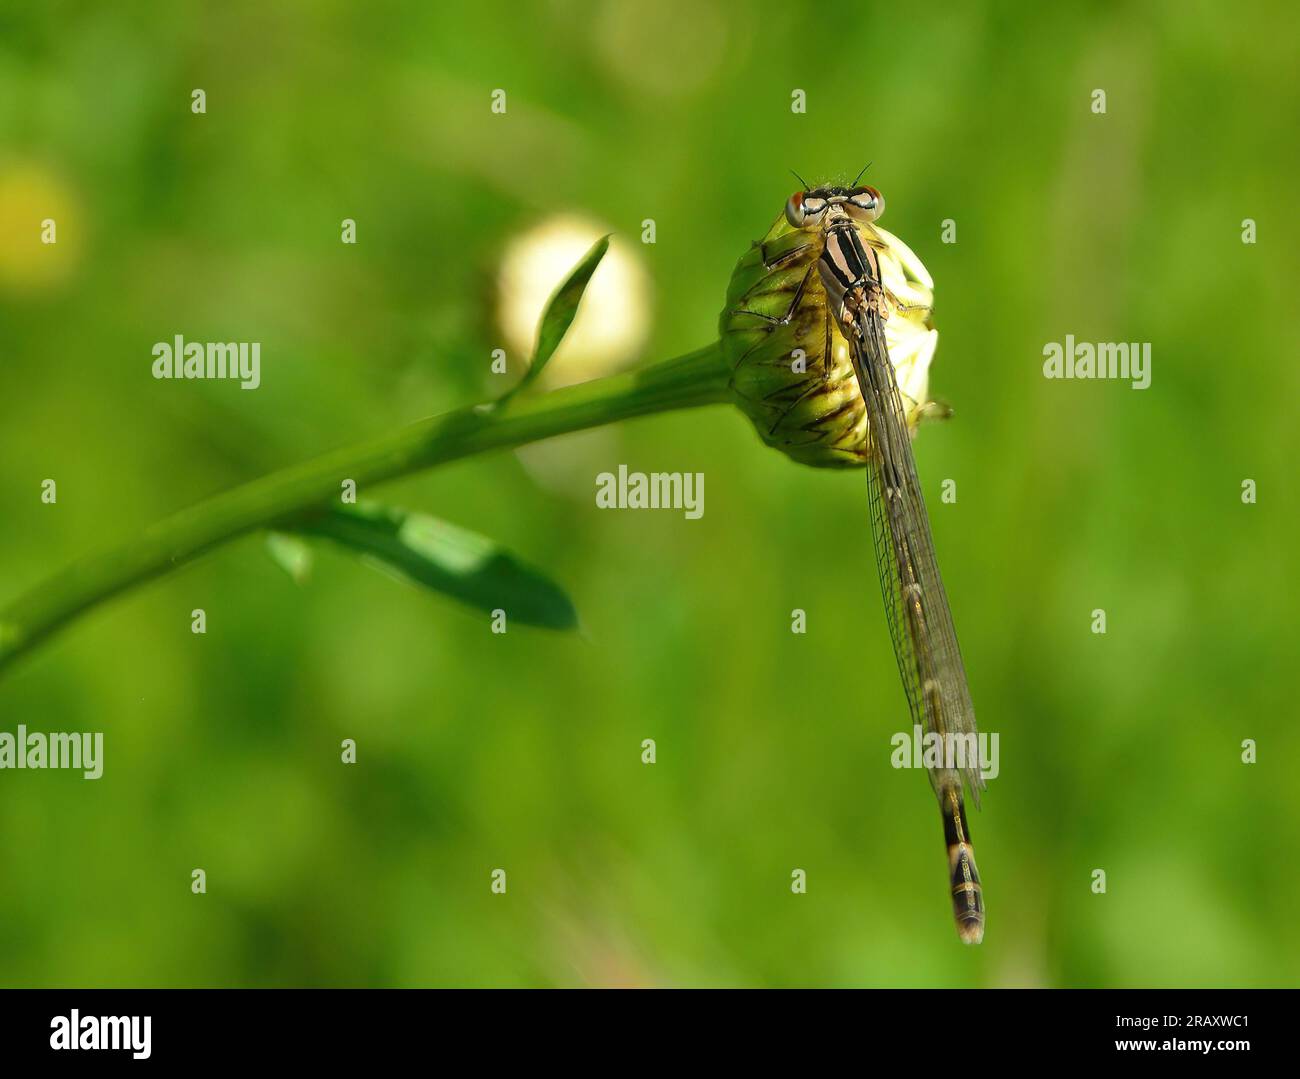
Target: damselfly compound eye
x=866, y=204
x=804, y=209
x=814, y=207
x=794, y=210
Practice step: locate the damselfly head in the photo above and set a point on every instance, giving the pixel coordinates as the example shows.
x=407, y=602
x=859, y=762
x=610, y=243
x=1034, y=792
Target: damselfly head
x=807, y=209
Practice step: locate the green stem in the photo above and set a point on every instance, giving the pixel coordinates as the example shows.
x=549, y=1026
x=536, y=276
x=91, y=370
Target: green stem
x=688, y=381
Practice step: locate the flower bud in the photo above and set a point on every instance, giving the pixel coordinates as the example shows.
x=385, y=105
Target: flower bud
x=792, y=373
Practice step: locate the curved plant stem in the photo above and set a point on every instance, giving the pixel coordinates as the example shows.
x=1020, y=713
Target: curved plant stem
x=688, y=381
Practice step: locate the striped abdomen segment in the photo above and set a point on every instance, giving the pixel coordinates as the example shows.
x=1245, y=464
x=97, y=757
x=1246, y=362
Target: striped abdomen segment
x=967, y=896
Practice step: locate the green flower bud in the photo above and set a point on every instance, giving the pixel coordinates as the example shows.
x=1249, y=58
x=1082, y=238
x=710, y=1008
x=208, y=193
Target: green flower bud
x=791, y=370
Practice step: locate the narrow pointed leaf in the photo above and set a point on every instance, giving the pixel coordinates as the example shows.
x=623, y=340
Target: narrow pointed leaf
x=561, y=310
x=451, y=560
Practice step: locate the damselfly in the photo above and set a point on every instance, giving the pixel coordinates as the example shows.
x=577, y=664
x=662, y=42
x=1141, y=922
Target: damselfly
x=828, y=266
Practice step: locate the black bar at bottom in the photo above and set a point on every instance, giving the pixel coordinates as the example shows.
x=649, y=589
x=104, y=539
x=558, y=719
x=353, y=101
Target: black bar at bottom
x=368, y=1027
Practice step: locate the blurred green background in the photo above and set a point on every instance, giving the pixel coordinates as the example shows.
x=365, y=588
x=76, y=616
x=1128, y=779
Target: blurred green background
x=477, y=751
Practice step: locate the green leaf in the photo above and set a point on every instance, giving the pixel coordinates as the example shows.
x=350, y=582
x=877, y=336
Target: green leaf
x=561, y=310
x=447, y=559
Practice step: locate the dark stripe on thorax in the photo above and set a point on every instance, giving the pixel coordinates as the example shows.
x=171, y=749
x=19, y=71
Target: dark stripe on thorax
x=846, y=259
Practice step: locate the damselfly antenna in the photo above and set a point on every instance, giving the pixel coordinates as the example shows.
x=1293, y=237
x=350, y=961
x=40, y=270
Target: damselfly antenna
x=859, y=175
x=800, y=179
